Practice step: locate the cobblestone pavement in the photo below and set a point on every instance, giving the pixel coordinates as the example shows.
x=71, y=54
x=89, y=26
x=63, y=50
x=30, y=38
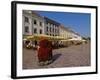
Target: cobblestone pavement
x=73, y=56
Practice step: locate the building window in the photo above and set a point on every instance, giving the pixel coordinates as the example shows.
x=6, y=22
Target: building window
x=40, y=23
x=40, y=31
x=35, y=22
x=35, y=30
x=50, y=29
x=26, y=29
x=26, y=19
x=47, y=28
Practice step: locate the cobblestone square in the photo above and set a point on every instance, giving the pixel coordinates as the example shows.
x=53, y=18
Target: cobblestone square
x=73, y=56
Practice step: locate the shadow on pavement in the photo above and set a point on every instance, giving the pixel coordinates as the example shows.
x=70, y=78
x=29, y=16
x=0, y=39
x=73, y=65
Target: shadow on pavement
x=56, y=56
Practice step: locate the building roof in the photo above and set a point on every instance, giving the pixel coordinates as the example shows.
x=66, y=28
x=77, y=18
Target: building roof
x=35, y=13
x=68, y=29
x=62, y=26
x=51, y=21
x=32, y=13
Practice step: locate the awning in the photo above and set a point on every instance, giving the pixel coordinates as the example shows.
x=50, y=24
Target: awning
x=42, y=36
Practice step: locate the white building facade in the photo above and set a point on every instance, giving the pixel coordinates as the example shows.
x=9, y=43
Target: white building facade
x=32, y=23
x=51, y=27
x=35, y=24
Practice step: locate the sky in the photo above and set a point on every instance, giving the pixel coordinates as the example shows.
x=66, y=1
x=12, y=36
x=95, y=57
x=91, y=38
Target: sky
x=78, y=22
